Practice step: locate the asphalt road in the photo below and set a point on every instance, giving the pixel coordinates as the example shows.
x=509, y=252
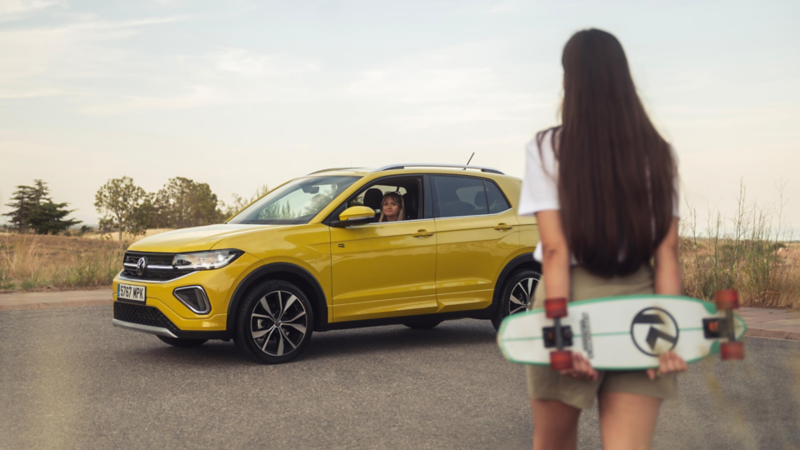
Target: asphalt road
x=71, y=380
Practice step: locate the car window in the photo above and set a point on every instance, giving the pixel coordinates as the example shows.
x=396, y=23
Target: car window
x=295, y=202
x=410, y=188
x=359, y=200
x=497, y=201
x=460, y=196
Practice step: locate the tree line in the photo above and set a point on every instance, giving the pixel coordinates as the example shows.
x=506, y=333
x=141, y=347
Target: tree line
x=125, y=207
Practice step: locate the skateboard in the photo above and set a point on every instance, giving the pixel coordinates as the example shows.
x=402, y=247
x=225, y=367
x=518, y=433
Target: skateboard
x=624, y=333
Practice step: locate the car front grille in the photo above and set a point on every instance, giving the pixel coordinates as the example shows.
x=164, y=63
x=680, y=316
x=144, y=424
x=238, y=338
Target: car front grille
x=142, y=315
x=163, y=261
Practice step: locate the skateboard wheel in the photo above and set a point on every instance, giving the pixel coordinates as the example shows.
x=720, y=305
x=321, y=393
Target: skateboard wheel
x=727, y=299
x=732, y=350
x=555, y=307
x=561, y=360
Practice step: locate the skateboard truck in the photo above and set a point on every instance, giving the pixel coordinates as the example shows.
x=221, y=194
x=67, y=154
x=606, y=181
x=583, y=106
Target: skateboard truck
x=556, y=308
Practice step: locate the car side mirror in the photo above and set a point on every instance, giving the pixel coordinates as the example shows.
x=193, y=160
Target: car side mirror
x=355, y=215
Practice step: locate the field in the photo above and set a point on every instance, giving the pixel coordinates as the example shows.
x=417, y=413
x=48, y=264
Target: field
x=766, y=272
x=30, y=262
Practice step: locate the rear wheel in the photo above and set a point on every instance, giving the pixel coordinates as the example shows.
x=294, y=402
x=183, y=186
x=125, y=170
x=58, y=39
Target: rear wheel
x=423, y=325
x=726, y=299
x=274, y=323
x=561, y=360
x=182, y=343
x=516, y=295
x=732, y=350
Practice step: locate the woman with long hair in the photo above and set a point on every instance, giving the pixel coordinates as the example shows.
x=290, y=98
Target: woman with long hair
x=392, y=207
x=603, y=187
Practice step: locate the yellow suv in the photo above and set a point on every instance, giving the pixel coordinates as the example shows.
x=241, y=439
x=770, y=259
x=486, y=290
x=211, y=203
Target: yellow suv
x=311, y=255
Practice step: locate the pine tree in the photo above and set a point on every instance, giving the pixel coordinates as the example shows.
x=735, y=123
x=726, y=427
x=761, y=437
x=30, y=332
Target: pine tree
x=33, y=209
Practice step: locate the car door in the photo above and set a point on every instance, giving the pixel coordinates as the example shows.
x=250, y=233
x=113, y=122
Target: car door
x=476, y=232
x=385, y=269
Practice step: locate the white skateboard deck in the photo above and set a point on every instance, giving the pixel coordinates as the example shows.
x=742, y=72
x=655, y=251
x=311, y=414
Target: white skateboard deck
x=620, y=333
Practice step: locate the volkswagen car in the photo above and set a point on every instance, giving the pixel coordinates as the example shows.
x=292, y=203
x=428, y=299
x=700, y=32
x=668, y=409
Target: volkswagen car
x=312, y=256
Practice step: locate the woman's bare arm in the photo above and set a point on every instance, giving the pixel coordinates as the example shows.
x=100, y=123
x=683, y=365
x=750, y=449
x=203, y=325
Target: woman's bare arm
x=668, y=282
x=668, y=268
x=555, y=268
x=555, y=261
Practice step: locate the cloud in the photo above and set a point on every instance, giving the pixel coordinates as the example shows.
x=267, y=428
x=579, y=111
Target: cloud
x=14, y=94
x=198, y=96
x=446, y=74
x=69, y=51
x=506, y=110
x=247, y=64
x=16, y=9
x=454, y=84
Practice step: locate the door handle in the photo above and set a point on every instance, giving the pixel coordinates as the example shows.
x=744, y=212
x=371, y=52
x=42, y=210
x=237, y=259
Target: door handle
x=503, y=227
x=422, y=233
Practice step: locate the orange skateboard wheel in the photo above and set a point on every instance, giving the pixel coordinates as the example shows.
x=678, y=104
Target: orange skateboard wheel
x=555, y=307
x=732, y=350
x=561, y=360
x=727, y=299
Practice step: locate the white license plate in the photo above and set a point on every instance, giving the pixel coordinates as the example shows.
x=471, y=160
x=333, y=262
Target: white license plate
x=132, y=293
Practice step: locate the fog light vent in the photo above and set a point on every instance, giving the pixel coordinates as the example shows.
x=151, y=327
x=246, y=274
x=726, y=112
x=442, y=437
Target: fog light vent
x=194, y=297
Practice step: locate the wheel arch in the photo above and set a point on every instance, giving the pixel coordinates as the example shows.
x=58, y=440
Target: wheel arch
x=524, y=261
x=287, y=272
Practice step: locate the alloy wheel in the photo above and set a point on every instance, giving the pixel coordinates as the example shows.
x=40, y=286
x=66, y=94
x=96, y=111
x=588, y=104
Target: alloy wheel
x=278, y=323
x=521, y=294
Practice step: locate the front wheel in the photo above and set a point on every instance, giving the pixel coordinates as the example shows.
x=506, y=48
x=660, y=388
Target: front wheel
x=274, y=322
x=516, y=295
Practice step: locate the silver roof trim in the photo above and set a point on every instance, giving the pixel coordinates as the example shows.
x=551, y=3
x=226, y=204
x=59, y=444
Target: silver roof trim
x=447, y=166
x=338, y=169
x=143, y=328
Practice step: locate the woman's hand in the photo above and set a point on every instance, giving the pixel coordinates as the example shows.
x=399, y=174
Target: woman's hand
x=581, y=368
x=669, y=363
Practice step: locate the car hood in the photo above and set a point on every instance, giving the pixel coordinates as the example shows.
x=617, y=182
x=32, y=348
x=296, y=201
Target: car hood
x=194, y=239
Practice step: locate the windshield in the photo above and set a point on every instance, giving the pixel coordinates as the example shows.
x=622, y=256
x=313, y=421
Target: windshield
x=295, y=202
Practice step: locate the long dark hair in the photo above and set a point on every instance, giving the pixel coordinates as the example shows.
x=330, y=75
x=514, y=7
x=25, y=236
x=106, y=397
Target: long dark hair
x=615, y=171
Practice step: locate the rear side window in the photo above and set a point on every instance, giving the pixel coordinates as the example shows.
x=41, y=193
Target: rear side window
x=497, y=201
x=460, y=196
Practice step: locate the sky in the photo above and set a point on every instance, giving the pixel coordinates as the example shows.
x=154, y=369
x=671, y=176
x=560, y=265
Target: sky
x=239, y=94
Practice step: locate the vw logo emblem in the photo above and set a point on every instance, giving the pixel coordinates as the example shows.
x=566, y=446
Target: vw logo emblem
x=654, y=331
x=141, y=266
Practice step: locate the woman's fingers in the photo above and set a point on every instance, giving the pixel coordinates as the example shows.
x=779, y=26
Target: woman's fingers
x=670, y=362
x=651, y=373
x=581, y=368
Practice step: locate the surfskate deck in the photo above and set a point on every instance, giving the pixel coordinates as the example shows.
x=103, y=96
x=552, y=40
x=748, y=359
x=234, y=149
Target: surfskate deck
x=621, y=333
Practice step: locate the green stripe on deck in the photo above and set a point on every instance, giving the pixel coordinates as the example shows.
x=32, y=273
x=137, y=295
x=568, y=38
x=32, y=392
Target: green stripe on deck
x=610, y=333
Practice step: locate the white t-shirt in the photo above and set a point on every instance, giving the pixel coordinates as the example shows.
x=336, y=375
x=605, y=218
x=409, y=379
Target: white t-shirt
x=540, y=185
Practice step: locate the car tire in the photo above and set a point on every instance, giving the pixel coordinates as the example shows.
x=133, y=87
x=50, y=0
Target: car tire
x=516, y=294
x=182, y=343
x=427, y=325
x=274, y=322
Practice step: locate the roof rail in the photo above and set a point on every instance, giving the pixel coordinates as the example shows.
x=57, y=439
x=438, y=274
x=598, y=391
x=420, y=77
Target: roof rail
x=335, y=169
x=449, y=166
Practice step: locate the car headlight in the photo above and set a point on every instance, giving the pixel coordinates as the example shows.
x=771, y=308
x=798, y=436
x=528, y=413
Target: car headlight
x=213, y=259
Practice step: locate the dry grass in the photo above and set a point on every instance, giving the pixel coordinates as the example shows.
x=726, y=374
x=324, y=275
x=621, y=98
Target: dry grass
x=766, y=277
x=750, y=258
x=30, y=262
x=750, y=252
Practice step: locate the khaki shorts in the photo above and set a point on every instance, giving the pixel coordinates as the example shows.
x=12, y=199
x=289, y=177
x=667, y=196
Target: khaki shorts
x=547, y=384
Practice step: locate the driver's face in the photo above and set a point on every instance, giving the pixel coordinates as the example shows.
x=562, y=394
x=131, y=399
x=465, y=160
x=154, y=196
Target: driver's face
x=390, y=207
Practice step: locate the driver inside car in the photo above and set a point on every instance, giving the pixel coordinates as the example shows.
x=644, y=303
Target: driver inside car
x=392, y=207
